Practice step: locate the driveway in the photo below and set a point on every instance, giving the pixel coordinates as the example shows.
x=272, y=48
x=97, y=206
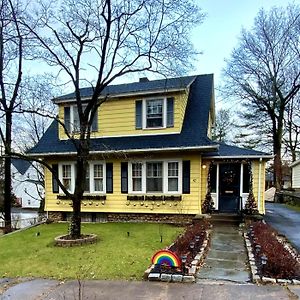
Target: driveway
x=285, y=221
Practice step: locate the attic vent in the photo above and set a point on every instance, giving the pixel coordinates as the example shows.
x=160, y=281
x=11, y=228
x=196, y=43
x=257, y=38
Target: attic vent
x=144, y=79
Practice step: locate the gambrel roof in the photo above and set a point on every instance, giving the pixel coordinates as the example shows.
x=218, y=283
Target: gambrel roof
x=193, y=135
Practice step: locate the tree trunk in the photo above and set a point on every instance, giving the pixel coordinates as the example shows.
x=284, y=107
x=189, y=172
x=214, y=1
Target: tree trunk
x=7, y=174
x=277, y=161
x=81, y=169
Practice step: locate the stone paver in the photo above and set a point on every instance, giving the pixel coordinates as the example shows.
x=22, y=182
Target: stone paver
x=285, y=221
x=227, y=257
x=42, y=289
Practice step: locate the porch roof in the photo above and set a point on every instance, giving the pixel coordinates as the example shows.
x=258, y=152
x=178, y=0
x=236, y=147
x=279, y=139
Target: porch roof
x=230, y=151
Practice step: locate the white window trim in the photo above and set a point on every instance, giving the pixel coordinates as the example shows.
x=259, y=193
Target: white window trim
x=92, y=183
x=73, y=110
x=165, y=176
x=144, y=113
x=60, y=175
x=91, y=174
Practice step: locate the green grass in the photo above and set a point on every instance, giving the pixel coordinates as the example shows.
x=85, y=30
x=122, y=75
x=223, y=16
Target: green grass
x=293, y=207
x=115, y=256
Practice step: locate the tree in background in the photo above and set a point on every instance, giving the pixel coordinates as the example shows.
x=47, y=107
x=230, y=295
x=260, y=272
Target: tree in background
x=263, y=74
x=12, y=52
x=223, y=126
x=109, y=39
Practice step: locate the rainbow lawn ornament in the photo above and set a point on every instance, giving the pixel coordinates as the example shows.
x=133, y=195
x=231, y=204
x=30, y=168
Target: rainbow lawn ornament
x=166, y=258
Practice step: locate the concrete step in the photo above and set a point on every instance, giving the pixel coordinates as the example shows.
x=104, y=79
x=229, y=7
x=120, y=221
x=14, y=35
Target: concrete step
x=225, y=218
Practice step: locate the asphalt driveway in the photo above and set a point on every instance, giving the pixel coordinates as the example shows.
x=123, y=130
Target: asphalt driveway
x=285, y=221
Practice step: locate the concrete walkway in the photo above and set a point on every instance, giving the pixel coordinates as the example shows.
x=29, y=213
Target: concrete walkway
x=43, y=289
x=286, y=221
x=227, y=257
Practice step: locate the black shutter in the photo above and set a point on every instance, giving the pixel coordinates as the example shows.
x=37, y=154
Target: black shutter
x=170, y=112
x=186, y=170
x=138, y=114
x=55, y=187
x=124, y=177
x=67, y=118
x=109, y=178
x=94, y=126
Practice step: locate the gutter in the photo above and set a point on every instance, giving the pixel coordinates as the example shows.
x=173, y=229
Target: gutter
x=192, y=148
x=129, y=94
x=240, y=156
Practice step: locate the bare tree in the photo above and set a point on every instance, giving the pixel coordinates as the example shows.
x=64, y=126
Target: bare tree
x=110, y=39
x=291, y=138
x=263, y=73
x=223, y=124
x=11, y=64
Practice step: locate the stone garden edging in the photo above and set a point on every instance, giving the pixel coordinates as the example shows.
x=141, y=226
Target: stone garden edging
x=190, y=277
x=256, y=278
x=61, y=240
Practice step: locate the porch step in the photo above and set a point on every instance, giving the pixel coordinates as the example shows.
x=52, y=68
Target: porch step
x=225, y=218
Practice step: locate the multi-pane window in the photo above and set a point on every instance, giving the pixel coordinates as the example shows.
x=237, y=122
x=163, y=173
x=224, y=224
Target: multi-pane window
x=173, y=176
x=154, y=113
x=67, y=176
x=154, y=177
x=98, y=178
x=71, y=119
x=137, y=177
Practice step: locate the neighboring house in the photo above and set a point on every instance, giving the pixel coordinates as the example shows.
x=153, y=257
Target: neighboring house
x=296, y=174
x=151, y=154
x=25, y=184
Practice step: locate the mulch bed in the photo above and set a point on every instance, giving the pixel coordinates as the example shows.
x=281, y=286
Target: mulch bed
x=282, y=261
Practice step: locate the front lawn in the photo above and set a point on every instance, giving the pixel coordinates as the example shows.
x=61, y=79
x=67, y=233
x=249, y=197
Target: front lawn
x=115, y=256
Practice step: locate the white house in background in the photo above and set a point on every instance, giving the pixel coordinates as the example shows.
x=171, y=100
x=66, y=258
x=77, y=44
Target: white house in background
x=296, y=174
x=25, y=184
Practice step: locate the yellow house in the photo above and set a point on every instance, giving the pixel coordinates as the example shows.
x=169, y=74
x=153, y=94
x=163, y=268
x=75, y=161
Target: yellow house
x=151, y=155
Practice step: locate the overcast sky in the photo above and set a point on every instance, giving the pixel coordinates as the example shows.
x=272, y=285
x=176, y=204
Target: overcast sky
x=218, y=34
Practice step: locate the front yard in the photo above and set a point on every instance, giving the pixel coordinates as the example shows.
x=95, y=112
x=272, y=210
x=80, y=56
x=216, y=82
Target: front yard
x=124, y=251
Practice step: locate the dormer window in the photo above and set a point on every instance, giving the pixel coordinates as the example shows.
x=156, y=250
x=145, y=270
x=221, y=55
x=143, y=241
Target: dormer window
x=154, y=113
x=71, y=119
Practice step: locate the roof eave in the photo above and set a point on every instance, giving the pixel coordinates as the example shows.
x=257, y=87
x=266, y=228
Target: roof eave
x=122, y=95
x=240, y=156
x=167, y=149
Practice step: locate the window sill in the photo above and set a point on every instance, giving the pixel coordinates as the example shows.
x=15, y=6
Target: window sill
x=84, y=197
x=154, y=197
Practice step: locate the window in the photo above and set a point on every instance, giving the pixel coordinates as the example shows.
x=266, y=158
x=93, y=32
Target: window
x=95, y=177
x=137, y=177
x=155, y=177
x=246, y=178
x=173, y=177
x=67, y=176
x=98, y=178
x=154, y=113
x=71, y=119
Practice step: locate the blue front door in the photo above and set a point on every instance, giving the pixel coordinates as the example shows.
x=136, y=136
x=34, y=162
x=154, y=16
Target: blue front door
x=229, y=187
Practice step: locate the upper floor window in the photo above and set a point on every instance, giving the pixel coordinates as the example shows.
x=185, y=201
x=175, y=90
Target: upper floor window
x=154, y=113
x=71, y=119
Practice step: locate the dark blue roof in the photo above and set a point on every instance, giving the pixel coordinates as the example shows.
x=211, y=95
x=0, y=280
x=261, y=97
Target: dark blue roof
x=225, y=150
x=21, y=165
x=143, y=86
x=193, y=133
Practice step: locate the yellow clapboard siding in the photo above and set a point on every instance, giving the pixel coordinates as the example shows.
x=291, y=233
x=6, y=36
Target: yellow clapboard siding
x=116, y=117
x=116, y=202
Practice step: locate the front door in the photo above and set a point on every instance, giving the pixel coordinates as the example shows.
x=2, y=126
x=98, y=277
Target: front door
x=229, y=187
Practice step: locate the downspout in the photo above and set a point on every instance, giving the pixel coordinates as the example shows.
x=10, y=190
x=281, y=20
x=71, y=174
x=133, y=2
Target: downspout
x=259, y=186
